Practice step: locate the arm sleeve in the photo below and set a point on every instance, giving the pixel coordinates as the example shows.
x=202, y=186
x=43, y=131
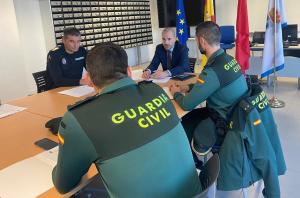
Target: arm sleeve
x=262, y=155
x=56, y=75
x=183, y=63
x=206, y=84
x=76, y=154
x=155, y=61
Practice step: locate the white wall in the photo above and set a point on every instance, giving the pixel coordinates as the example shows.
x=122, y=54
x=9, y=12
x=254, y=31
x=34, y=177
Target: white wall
x=31, y=39
x=226, y=11
x=27, y=35
x=12, y=69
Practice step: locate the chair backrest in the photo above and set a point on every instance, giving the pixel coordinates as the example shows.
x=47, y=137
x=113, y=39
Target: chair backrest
x=208, y=176
x=192, y=62
x=258, y=37
x=227, y=34
x=41, y=80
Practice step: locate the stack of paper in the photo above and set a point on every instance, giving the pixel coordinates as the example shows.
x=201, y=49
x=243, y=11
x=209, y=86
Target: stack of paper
x=7, y=109
x=137, y=75
x=78, y=91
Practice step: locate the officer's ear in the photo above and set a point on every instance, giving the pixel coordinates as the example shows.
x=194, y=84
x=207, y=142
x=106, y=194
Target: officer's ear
x=89, y=80
x=129, y=71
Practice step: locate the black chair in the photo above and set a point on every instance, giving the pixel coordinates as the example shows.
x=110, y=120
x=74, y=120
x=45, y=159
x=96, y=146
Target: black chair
x=192, y=62
x=209, y=174
x=41, y=80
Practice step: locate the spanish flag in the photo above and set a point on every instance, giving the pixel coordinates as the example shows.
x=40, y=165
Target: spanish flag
x=209, y=13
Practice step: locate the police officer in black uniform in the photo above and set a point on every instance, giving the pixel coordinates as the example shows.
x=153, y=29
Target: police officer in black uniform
x=65, y=64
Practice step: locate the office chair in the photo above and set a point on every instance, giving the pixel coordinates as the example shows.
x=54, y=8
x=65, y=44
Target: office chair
x=41, y=80
x=208, y=176
x=227, y=37
x=192, y=62
x=258, y=37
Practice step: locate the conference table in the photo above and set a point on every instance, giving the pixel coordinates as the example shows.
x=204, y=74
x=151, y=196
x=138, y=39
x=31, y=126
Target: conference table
x=21, y=130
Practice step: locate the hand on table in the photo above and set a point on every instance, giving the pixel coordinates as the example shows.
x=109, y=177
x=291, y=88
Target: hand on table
x=160, y=74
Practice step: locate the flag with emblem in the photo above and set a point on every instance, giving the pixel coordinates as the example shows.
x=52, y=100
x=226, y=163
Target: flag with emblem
x=181, y=26
x=269, y=55
x=209, y=13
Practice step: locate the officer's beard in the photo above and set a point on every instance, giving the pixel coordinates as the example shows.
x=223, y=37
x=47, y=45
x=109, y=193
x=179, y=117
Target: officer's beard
x=201, y=49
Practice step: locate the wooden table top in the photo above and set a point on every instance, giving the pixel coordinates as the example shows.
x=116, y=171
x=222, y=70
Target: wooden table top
x=18, y=133
x=29, y=124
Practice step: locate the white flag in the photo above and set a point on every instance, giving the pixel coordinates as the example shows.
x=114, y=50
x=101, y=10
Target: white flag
x=269, y=54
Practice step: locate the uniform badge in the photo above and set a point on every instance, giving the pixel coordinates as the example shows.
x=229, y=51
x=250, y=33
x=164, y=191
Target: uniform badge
x=79, y=58
x=63, y=61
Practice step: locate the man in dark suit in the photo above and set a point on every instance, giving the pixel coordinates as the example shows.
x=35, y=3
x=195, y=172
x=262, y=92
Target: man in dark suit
x=172, y=55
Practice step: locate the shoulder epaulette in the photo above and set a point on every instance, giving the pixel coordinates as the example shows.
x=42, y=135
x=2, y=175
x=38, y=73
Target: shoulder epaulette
x=81, y=102
x=54, y=49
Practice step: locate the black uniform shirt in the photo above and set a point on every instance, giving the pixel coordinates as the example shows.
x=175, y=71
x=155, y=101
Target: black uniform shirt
x=65, y=69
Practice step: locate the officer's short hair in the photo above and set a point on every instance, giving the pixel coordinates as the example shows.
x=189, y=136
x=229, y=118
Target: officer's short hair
x=71, y=31
x=210, y=31
x=106, y=63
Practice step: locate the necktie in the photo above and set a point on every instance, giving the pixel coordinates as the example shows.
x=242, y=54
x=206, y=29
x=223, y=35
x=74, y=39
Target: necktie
x=169, y=58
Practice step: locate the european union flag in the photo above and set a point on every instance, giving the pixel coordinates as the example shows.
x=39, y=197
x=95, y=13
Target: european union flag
x=181, y=27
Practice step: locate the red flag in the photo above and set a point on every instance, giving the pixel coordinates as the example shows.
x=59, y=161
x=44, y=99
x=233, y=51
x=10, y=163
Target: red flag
x=242, y=52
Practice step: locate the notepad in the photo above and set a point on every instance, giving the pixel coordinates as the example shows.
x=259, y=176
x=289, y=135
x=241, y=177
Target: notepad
x=7, y=109
x=78, y=91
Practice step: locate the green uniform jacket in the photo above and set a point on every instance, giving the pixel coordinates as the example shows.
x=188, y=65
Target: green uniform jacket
x=133, y=135
x=251, y=149
x=221, y=83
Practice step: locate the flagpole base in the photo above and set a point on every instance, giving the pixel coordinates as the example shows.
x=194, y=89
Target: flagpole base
x=275, y=103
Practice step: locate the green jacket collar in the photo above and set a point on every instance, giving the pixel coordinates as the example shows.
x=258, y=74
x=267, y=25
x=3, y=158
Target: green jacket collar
x=117, y=85
x=214, y=55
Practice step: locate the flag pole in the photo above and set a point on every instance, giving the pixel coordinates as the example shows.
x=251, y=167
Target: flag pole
x=274, y=101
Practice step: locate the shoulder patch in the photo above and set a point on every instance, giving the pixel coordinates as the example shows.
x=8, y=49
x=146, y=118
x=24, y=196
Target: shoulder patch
x=54, y=49
x=200, y=80
x=61, y=139
x=81, y=102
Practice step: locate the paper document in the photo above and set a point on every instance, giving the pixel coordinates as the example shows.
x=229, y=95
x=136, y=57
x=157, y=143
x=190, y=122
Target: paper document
x=160, y=80
x=78, y=91
x=84, y=72
x=166, y=89
x=137, y=74
x=7, y=109
x=30, y=177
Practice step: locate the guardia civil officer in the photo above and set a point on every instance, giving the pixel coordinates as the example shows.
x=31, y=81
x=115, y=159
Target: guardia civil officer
x=221, y=83
x=65, y=64
x=130, y=131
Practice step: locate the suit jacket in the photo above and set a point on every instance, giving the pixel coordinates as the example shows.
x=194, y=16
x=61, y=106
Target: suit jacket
x=180, y=59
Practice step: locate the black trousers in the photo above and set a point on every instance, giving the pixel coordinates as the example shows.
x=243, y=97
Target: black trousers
x=192, y=119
